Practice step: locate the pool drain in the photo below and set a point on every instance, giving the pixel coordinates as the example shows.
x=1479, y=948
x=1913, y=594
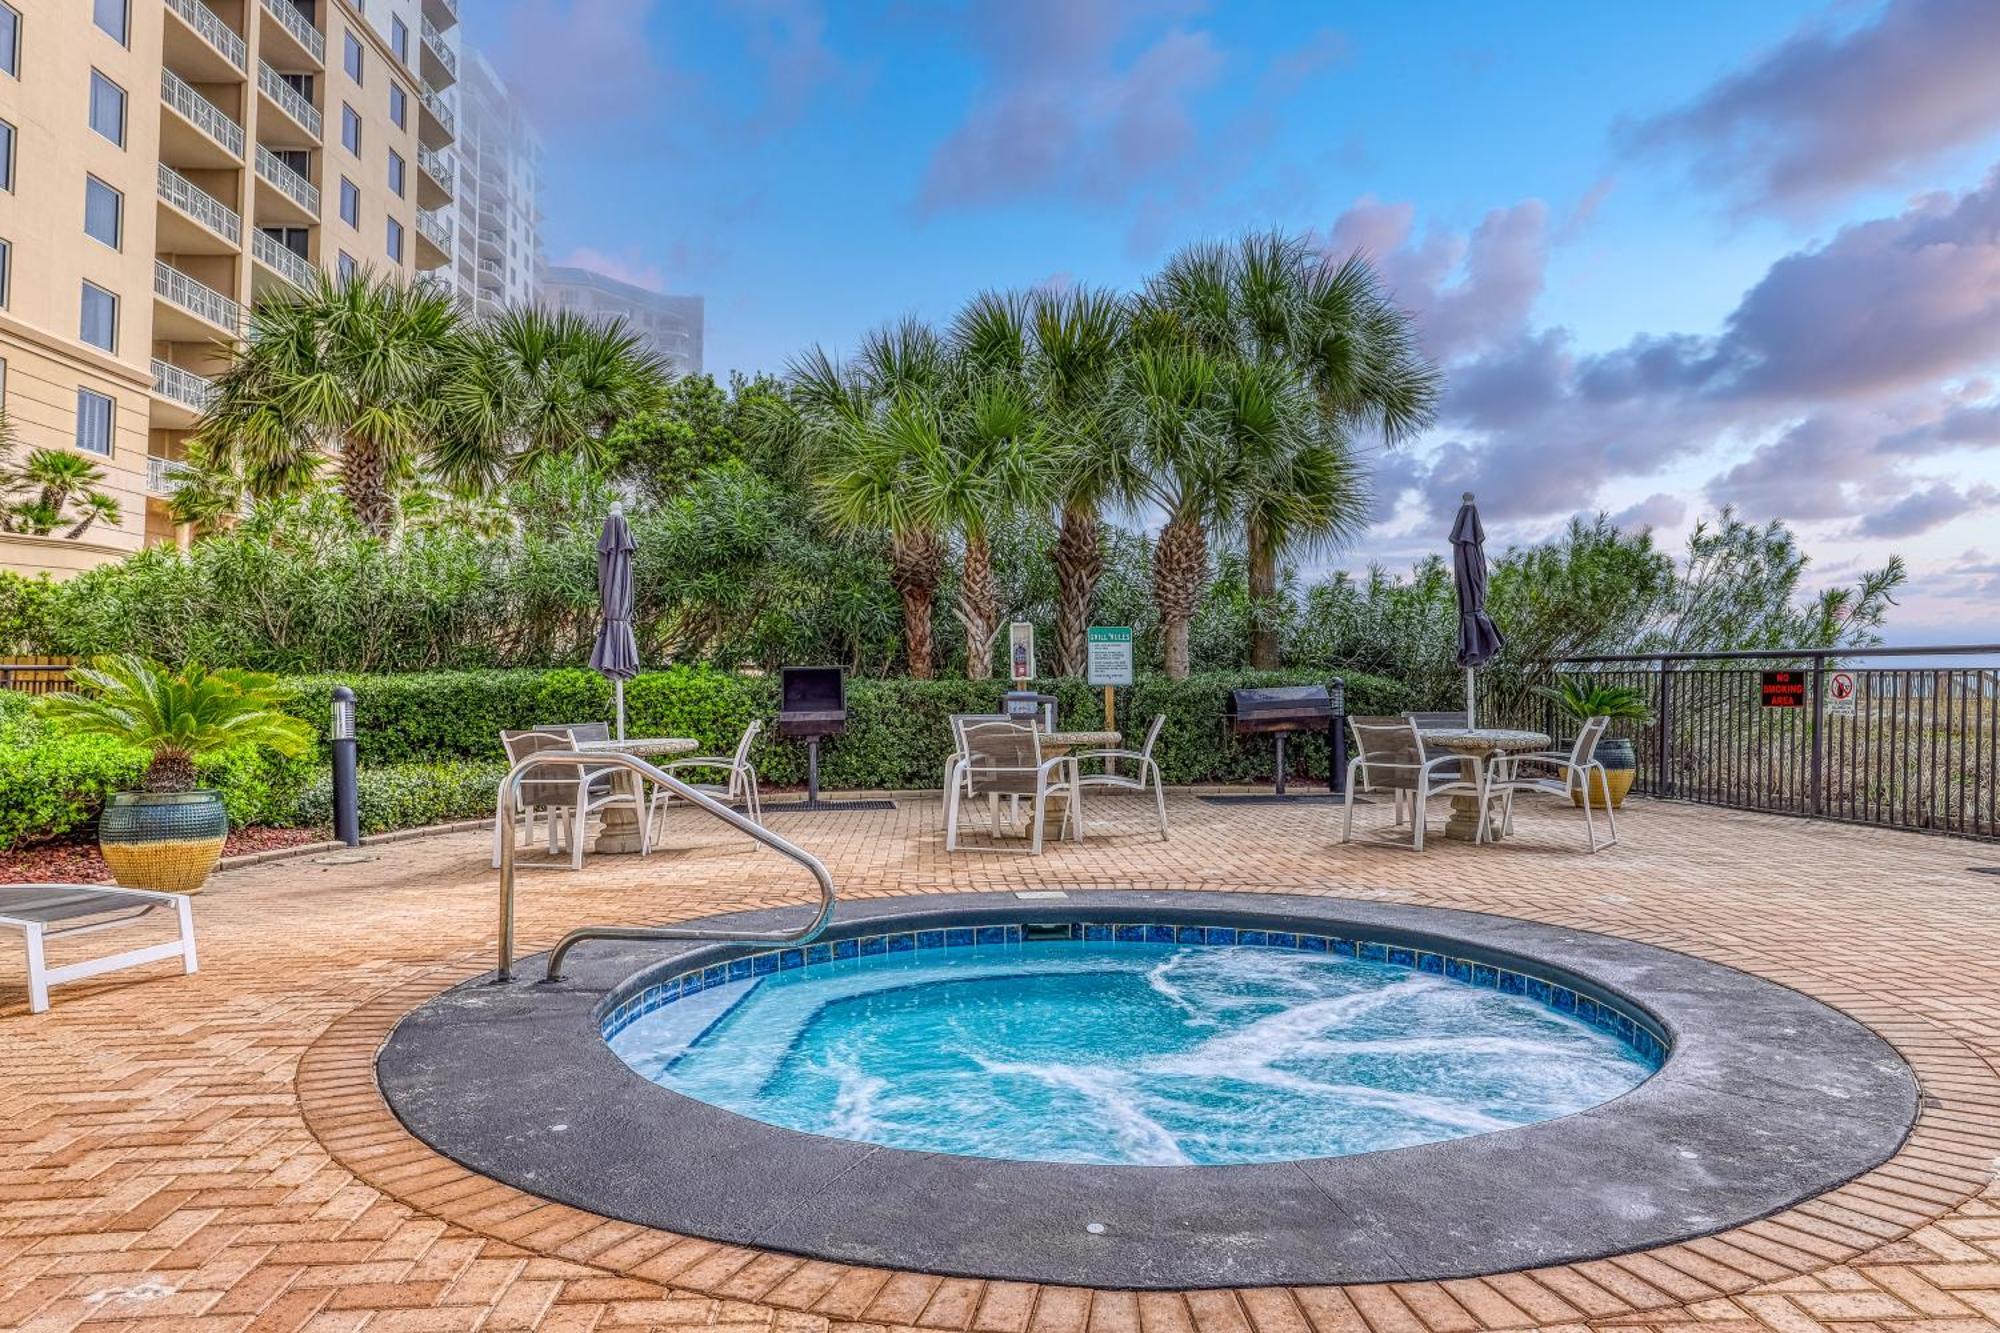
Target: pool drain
x=1094, y=1228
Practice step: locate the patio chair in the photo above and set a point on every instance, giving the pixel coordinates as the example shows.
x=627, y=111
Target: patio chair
x=959, y=722
x=1571, y=769
x=1002, y=758
x=1440, y=721
x=42, y=912
x=1148, y=778
x=568, y=800
x=1389, y=756
x=739, y=788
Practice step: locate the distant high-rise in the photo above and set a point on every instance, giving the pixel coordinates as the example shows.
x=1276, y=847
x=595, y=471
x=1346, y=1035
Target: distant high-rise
x=496, y=260
x=671, y=325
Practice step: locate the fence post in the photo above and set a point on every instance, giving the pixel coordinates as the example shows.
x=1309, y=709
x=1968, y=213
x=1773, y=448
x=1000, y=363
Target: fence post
x=1815, y=806
x=1665, y=781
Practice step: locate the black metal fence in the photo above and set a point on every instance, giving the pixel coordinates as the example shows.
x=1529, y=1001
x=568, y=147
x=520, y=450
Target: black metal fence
x=1899, y=746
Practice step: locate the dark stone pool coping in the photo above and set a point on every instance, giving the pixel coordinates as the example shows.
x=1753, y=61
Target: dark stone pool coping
x=1768, y=1098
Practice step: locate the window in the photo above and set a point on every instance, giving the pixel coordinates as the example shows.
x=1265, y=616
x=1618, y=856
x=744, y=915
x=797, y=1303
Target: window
x=302, y=84
x=395, y=240
x=350, y=129
x=292, y=238
x=100, y=318
x=399, y=39
x=346, y=267
x=6, y=156
x=94, y=415
x=353, y=59
x=6, y=272
x=300, y=160
x=114, y=16
x=399, y=106
x=107, y=108
x=10, y=40
x=103, y=212
x=396, y=173
x=350, y=203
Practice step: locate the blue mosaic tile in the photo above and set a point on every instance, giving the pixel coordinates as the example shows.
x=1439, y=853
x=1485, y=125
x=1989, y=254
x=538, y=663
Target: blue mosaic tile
x=1342, y=948
x=903, y=943
x=1372, y=951
x=963, y=937
x=1313, y=943
x=990, y=935
x=1403, y=957
x=1283, y=939
x=1563, y=998
x=1538, y=990
x=1513, y=983
x=1101, y=930
x=1430, y=962
x=714, y=976
x=1187, y=935
x=930, y=939
x=1458, y=970
x=1255, y=939
x=763, y=964
x=847, y=948
x=818, y=953
x=1014, y=934
x=739, y=969
x=1219, y=935
x=1587, y=1009
x=1159, y=934
x=873, y=946
x=1483, y=975
x=1130, y=934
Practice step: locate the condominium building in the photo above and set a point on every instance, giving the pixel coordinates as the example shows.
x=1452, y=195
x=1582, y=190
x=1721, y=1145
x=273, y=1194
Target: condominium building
x=497, y=256
x=671, y=325
x=162, y=164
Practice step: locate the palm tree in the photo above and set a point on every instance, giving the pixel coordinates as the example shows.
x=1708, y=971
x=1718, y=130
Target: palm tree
x=857, y=433
x=59, y=487
x=354, y=365
x=533, y=384
x=1271, y=297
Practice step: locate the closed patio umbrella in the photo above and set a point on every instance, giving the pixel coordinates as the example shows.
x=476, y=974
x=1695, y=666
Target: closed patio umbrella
x=1479, y=639
x=615, y=655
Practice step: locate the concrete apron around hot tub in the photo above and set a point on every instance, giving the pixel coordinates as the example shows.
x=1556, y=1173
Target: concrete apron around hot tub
x=1766, y=1098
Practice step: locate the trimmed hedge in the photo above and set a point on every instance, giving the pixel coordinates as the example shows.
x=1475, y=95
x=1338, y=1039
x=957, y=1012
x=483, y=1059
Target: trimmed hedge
x=897, y=735
x=399, y=796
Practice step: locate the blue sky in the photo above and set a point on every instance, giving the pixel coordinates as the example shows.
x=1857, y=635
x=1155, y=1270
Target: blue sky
x=1671, y=256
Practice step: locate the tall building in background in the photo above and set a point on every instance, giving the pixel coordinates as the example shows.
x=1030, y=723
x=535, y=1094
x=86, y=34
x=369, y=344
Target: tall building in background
x=497, y=257
x=671, y=325
x=162, y=163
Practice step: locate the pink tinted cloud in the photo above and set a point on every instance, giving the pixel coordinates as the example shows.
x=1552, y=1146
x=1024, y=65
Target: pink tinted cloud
x=1831, y=111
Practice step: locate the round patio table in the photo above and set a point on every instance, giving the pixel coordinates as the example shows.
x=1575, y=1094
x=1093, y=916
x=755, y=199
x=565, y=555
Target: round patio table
x=619, y=833
x=1062, y=742
x=1487, y=743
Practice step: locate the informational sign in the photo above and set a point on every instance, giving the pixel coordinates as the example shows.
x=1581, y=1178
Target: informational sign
x=1021, y=651
x=1110, y=660
x=1840, y=694
x=1784, y=689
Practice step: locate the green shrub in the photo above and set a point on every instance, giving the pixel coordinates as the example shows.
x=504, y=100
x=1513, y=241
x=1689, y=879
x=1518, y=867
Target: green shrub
x=399, y=796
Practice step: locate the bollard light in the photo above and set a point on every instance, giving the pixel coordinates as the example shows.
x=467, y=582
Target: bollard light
x=346, y=798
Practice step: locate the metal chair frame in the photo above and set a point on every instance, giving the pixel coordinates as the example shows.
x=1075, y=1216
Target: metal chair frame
x=1414, y=791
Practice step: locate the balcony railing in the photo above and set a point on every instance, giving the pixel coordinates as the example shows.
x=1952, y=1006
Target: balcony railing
x=436, y=165
x=290, y=184
x=434, y=224
x=299, y=26
x=288, y=99
x=200, y=205
x=213, y=31
x=442, y=113
x=279, y=258
x=164, y=476
x=182, y=386
x=205, y=115
x=197, y=298
x=435, y=41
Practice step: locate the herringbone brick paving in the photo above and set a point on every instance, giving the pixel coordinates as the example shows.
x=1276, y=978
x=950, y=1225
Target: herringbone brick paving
x=211, y=1152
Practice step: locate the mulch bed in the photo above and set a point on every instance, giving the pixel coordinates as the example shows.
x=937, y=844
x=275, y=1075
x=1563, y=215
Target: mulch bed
x=79, y=862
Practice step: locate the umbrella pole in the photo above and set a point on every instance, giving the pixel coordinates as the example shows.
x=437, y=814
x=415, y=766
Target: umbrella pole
x=1470, y=720
x=618, y=693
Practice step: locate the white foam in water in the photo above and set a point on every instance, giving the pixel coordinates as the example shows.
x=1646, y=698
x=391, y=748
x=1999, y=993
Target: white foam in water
x=1127, y=1053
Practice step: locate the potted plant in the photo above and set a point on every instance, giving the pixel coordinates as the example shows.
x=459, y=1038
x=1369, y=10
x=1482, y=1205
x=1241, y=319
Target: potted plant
x=1582, y=699
x=169, y=835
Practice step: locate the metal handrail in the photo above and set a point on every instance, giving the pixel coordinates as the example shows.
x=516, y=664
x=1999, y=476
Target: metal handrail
x=506, y=798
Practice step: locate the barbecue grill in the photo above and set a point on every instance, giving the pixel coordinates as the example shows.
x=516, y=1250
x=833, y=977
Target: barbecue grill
x=1282, y=710
x=813, y=706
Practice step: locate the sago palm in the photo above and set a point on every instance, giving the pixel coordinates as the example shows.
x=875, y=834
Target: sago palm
x=176, y=715
x=353, y=365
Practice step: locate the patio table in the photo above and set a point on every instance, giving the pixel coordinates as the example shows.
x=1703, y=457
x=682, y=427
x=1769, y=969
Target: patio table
x=618, y=834
x=1056, y=743
x=1487, y=743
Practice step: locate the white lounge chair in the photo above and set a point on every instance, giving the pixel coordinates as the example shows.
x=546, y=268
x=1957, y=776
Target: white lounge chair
x=1569, y=770
x=568, y=800
x=42, y=912
x=1390, y=757
x=1148, y=776
x=1002, y=758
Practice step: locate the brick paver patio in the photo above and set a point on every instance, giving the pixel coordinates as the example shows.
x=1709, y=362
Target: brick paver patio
x=210, y=1152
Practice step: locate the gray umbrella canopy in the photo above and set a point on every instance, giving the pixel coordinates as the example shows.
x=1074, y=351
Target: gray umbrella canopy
x=1479, y=639
x=615, y=655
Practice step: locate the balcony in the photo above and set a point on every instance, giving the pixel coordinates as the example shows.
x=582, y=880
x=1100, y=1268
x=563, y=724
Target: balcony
x=434, y=184
x=179, y=396
x=274, y=255
x=291, y=198
x=203, y=46
x=444, y=13
x=436, y=127
x=191, y=311
x=434, y=230
x=440, y=63
x=198, y=222
x=199, y=133
x=307, y=45
x=286, y=98
x=164, y=476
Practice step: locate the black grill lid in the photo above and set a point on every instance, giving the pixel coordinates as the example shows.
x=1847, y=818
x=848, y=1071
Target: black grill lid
x=1304, y=700
x=820, y=691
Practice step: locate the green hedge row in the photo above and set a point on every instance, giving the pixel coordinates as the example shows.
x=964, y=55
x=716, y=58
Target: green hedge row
x=897, y=734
